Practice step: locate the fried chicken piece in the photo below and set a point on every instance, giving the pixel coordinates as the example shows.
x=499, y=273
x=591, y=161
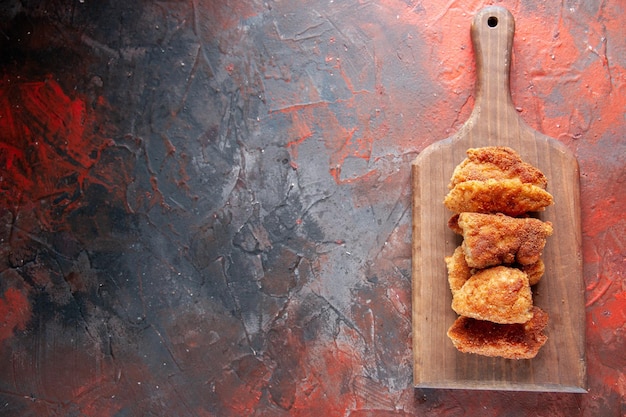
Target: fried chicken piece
x=453, y=224
x=458, y=270
x=511, y=341
x=534, y=271
x=508, y=196
x=500, y=294
x=495, y=239
x=496, y=162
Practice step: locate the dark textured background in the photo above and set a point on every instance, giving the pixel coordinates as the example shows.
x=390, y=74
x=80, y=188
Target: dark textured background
x=205, y=204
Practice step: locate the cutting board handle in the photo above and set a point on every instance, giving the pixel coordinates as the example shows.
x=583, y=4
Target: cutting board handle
x=492, y=36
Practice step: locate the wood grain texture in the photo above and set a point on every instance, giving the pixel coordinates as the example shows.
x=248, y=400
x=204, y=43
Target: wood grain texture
x=560, y=364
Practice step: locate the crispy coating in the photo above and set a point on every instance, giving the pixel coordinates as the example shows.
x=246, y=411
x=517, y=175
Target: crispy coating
x=499, y=294
x=508, y=196
x=491, y=273
x=496, y=162
x=495, y=239
x=511, y=341
x=534, y=271
x=453, y=224
x=458, y=270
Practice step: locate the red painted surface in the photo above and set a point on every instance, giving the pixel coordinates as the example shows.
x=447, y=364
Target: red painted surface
x=209, y=215
x=15, y=313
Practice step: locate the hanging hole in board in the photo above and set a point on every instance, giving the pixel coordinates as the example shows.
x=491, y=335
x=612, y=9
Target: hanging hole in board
x=492, y=22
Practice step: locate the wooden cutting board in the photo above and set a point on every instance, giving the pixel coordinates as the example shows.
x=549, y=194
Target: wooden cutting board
x=560, y=364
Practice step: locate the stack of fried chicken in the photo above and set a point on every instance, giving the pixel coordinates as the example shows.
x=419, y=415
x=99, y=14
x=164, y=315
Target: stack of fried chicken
x=492, y=193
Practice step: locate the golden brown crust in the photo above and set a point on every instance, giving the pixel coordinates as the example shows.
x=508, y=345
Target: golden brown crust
x=458, y=271
x=490, y=274
x=496, y=162
x=495, y=239
x=534, y=271
x=508, y=196
x=511, y=341
x=453, y=224
x=499, y=294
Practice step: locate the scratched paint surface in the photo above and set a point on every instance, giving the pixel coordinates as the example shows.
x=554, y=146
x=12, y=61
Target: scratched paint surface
x=205, y=205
